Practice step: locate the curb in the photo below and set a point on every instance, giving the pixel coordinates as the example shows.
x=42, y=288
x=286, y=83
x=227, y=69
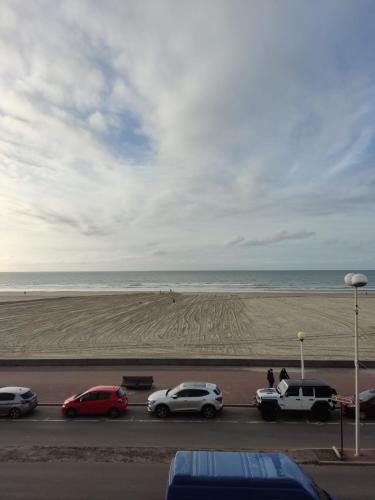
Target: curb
x=343, y=462
x=145, y=404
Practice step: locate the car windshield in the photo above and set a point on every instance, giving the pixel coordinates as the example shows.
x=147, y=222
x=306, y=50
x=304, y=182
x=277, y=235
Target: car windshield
x=282, y=387
x=27, y=395
x=173, y=391
x=366, y=395
x=120, y=392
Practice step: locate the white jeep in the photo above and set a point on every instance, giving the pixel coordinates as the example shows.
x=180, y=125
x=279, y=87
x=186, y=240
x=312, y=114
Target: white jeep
x=311, y=395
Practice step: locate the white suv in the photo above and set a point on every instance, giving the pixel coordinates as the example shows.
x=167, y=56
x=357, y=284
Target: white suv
x=311, y=395
x=190, y=397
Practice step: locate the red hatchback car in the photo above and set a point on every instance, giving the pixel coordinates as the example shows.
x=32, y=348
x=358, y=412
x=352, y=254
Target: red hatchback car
x=108, y=400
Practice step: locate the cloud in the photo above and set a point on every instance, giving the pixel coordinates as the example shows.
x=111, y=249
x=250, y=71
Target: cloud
x=236, y=241
x=271, y=240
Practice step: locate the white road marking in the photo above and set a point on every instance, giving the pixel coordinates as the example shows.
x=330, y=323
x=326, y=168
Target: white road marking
x=180, y=421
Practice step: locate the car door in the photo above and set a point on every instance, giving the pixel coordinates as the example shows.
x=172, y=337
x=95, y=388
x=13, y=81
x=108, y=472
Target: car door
x=370, y=408
x=6, y=402
x=88, y=403
x=307, y=398
x=179, y=401
x=292, y=398
x=196, y=399
x=103, y=402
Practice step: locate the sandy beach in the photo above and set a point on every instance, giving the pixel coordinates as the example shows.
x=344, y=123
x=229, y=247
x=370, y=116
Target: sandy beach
x=148, y=324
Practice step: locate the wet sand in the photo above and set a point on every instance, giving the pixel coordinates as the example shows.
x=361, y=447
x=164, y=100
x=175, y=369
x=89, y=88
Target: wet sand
x=149, y=324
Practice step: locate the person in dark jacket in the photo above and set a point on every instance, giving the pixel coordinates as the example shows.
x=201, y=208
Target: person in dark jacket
x=283, y=374
x=270, y=378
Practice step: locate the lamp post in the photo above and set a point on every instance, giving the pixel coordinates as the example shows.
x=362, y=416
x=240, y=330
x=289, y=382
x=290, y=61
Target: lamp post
x=356, y=280
x=301, y=336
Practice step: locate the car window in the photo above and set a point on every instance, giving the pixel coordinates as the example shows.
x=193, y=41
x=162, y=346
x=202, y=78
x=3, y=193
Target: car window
x=185, y=393
x=6, y=396
x=90, y=396
x=308, y=391
x=27, y=395
x=365, y=395
x=323, y=392
x=217, y=390
x=292, y=391
x=104, y=395
x=198, y=393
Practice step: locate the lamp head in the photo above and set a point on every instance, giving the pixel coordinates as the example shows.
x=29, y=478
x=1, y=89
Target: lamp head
x=359, y=280
x=348, y=278
x=300, y=336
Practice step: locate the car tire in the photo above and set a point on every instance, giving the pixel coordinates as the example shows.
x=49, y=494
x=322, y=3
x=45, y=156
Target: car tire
x=161, y=411
x=320, y=412
x=268, y=412
x=114, y=413
x=208, y=411
x=71, y=413
x=14, y=413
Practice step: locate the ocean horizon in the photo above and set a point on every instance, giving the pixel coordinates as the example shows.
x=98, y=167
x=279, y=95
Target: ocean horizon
x=182, y=281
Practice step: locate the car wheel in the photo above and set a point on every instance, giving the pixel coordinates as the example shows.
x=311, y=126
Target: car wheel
x=320, y=412
x=268, y=412
x=14, y=413
x=162, y=411
x=362, y=415
x=113, y=413
x=71, y=413
x=208, y=411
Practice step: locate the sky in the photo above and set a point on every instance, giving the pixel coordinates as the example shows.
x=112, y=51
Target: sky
x=157, y=135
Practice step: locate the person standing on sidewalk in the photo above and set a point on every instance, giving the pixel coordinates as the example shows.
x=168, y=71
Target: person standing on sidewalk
x=270, y=378
x=283, y=374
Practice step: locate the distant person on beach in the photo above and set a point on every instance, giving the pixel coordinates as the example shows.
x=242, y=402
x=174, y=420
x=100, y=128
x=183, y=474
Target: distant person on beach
x=283, y=374
x=270, y=378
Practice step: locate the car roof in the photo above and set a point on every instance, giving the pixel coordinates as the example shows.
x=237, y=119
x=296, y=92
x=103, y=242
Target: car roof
x=270, y=472
x=103, y=388
x=307, y=382
x=198, y=385
x=15, y=390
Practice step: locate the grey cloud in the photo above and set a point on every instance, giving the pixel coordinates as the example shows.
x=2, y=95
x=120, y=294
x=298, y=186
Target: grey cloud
x=56, y=219
x=236, y=241
x=278, y=237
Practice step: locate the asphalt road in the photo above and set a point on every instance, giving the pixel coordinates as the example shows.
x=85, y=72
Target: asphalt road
x=94, y=481
x=235, y=428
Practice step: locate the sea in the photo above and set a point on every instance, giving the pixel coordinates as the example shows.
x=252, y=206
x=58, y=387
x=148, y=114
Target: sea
x=183, y=281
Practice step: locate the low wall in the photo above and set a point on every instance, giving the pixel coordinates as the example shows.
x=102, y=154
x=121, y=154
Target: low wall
x=246, y=362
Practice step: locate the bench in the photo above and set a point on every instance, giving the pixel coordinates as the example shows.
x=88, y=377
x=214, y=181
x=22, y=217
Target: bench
x=137, y=381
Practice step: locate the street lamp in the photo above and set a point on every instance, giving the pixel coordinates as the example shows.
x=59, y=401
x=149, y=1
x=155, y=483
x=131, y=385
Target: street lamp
x=356, y=280
x=301, y=336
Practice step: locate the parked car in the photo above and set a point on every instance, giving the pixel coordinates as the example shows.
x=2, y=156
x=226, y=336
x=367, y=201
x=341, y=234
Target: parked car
x=366, y=405
x=311, y=395
x=108, y=400
x=234, y=475
x=190, y=397
x=16, y=401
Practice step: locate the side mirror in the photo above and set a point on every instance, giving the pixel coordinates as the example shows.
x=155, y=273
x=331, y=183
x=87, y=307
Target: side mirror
x=174, y=396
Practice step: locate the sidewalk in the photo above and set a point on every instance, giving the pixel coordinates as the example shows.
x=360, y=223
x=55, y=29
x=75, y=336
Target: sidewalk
x=54, y=384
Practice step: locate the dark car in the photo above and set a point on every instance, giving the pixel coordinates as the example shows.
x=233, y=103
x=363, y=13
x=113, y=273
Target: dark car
x=366, y=405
